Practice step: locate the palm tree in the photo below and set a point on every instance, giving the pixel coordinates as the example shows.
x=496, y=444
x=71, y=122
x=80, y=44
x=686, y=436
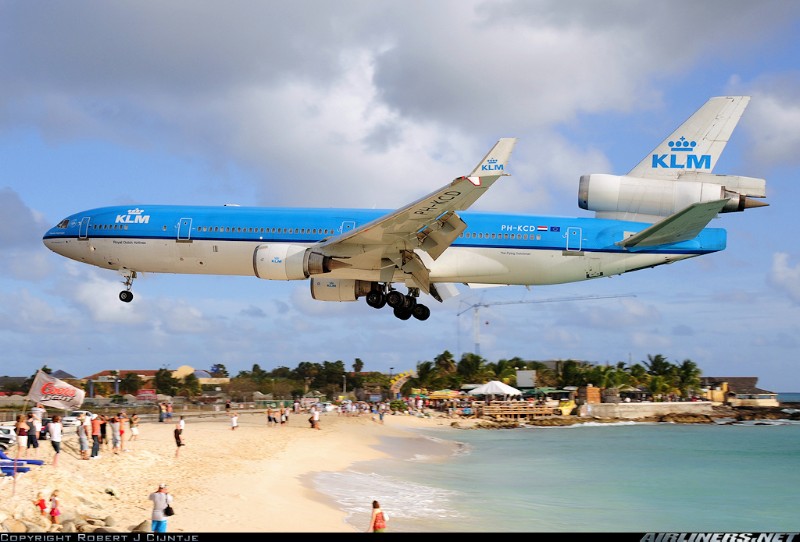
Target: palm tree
x=445, y=363
x=688, y=377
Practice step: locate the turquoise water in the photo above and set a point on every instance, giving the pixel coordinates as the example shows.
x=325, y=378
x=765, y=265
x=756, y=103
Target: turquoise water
x=626, y=477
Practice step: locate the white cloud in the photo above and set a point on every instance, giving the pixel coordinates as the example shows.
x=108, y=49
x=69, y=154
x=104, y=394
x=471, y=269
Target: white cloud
x=786, y=276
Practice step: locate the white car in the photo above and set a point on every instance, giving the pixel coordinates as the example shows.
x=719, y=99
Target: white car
x=72, y=420
x=7, y=437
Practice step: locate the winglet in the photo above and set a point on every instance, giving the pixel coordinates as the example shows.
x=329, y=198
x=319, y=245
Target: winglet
x=496, y=160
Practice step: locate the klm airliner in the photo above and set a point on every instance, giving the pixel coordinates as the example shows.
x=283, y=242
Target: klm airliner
x=654, y=215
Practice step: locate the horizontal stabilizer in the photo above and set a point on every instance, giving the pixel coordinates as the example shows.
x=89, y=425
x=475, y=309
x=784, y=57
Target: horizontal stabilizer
x=681, y=226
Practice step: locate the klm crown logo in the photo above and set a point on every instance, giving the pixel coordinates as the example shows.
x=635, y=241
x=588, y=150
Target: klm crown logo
x=682, y=157
x=491, y=165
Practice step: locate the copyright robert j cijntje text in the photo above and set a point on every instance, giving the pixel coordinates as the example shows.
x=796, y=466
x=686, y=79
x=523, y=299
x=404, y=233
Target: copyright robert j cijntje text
x=719, y=537
x=105, y=537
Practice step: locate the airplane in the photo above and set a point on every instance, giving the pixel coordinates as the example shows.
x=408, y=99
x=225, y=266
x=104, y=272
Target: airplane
x=655, y=214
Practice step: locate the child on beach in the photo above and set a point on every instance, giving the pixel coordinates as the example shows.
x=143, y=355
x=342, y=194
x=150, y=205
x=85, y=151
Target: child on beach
x=234, y=421
x=55, y=505
x=41, y=503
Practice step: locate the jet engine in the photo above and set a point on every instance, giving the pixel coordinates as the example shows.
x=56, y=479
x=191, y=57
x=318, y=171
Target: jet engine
x=323, y=289
x=611, y=196
x=289, y=262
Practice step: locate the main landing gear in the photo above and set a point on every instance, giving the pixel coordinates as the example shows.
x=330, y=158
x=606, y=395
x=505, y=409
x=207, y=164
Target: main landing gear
x=404, y=306
x=126, y=295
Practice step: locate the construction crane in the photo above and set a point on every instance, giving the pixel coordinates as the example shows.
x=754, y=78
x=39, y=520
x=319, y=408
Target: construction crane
x=477, y=306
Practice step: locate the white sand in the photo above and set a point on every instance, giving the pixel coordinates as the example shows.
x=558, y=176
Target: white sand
x=247, y=480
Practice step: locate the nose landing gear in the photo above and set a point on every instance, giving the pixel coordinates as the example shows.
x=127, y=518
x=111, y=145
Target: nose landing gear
x=126, y=295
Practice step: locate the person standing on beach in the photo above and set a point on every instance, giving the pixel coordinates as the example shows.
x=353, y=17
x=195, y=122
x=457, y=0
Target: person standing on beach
x=96, y=423
x=116, y=433
x=83, y=436
x=21, y=428
x=134, y=429
x=315, y=418
x=377, y=521
x=55, y=430
x=33, y=435
x=179, y=436
x=55, y=504
x=234, y=421
x=161, y=499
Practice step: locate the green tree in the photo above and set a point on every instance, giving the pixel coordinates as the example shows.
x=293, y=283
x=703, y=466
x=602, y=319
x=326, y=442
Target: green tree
x=688, y=374
x=130, y=383
x=218, y=370
x=190, y=386
x=166, y=383
x=358, y=365
x=445, y=364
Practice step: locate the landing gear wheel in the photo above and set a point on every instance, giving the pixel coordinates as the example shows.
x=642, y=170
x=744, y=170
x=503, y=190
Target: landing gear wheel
x=401, y=313
x=395, y=299
x=409, y=302
x=376, y=299
x=125, y=296
x=421, y=312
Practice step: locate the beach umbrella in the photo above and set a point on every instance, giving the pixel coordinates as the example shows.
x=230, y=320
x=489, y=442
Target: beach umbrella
x=495, y=387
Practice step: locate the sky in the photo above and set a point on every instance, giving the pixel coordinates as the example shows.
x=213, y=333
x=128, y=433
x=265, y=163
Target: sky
x=373, y=104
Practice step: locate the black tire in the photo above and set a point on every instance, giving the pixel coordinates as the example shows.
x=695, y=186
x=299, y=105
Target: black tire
x=126, y=296
x=409, y=302
x=421, y=312
x=376, y=299
x=395, y=299
x=402, y=313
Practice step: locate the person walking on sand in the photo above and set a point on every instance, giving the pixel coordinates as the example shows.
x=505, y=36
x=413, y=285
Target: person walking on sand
x=234, y=421
x=377, y=522
x=33, y=434
x=179, y=436
x=55, y=430
x=55, y=507
x=161, y=499
x=315, y=418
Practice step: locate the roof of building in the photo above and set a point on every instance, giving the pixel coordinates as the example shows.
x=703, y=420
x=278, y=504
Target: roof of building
x=147, y=373
x=736, y=384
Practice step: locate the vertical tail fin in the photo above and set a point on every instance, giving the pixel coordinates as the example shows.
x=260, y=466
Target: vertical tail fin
x=697, y=144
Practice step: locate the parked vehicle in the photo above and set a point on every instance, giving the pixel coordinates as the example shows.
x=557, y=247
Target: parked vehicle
x=7, y=437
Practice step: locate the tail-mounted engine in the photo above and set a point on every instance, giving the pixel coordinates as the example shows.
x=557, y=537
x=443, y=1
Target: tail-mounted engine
x=289, y=262
x=644, y=199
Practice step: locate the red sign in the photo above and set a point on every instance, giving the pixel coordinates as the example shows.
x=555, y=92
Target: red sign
x=146, y=395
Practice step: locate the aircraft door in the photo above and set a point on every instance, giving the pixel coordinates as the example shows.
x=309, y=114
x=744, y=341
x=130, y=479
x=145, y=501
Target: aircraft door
x=347, y=225
x=184, y=229
x=574, y=239
x=83, y=228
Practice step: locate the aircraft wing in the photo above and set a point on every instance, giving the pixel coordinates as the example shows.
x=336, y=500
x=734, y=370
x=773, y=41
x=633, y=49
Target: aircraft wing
x=681, y=226
x=431, y=224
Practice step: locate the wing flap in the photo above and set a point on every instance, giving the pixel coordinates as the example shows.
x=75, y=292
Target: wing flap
x=681, y=226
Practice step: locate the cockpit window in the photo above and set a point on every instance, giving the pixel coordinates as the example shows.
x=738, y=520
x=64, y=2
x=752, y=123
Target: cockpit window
x=63, y=224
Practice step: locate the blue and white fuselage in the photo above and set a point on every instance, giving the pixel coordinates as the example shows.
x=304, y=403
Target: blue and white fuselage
x=657, y=214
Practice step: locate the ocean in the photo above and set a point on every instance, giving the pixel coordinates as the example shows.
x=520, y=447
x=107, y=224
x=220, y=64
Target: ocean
x=620, y=477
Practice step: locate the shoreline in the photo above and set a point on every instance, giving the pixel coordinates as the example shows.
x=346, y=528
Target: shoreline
x=254, y=479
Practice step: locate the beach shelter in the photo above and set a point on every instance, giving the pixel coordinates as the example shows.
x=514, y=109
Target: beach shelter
x=495, y=387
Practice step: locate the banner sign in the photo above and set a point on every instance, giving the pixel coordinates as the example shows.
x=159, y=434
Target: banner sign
x=52, y=392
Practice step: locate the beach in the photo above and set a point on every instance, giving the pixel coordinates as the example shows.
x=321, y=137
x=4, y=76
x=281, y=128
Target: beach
x=257, y=478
